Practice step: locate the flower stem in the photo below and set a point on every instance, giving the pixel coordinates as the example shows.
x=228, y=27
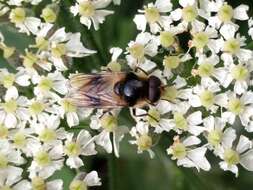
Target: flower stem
x=111, y=172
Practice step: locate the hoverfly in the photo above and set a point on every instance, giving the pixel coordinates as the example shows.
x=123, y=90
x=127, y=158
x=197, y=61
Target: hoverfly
x=113, y=90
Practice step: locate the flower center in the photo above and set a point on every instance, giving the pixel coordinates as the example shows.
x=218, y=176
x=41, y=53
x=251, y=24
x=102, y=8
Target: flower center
x=189, y=13
x=5, y=188
x=38, y=184
x=114, y=66
x=42, y=158
x=144, y=142
x=109, y=122
x=8, y=80
x=137, y=51
x=166, y=39
x=171, y=62
x=29, y=59
x=47, y=135
x=239, y=73
x=10, y=106
x=19, y=139
x=3, y=131
x=200, y=40
x=207, y=98
x=86, y=9
x=180, y=121
x=226, y=13
x=232, y=46
x=214, y=137
x=3, y=161
x=179, y=150
x=36, y=108
x=235, y=106
x=17, y=15
x=8, y=51
x=59, y=50
x=231, y=157
x=45, y=84
x=205, y=69
x=68, y=106
x=41, y=43
x=170, y=93
x=78, y=185
x=72, y=149
x=153, y=117
x=48, y=15
x=152, y=14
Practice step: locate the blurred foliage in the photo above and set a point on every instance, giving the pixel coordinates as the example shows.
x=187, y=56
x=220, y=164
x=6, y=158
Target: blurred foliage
x=131, y=171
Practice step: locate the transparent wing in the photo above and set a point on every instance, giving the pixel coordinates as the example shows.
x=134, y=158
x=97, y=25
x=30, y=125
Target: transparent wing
x=95, y=90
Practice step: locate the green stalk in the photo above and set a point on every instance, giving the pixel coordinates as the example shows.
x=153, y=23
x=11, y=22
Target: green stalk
x=111, y=172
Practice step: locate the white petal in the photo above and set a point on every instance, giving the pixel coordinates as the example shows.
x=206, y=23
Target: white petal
x=74, y=162
x=243, y=144
x=140, y=22
x=103, y=139
x=163, y=5
x=228, y=137
x=246, y=160
x=195, y=118
x=92, y=179
x=55, y=184
x=192, y=140
x=240, y=12
x=198, y=157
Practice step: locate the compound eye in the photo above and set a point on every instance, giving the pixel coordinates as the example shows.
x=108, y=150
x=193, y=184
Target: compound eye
x=154, y=91
x=154, y=81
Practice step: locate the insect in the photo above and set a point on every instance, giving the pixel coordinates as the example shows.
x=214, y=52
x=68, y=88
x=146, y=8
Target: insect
x=112, y=90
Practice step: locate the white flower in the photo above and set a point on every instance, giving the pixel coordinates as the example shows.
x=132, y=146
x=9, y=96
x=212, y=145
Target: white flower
x=13, y=109
x=232, y=45
x=216, y=133
x=171, y=62
x=239, y=106
x=72, y=112
x=176, y=93
x=188, y=14
x=154, y=15
x=74, y=147
x=39, y=182
x=144, y=45
x=9, y=157
x=208, y=95
x=241, y=154
x=155, y=116
x=50, y=85
x=114, y=65
x=23, y=140
x=238, y=75
x=208, y=70
x=84, y=180
x=225, y=13
x=107, y=123
x=12, y=179
x=55, y=48
x=187, y=155
x=49, y=132
x=91, y=12
x=46, y=160
x=24, y=23
x=143, y=139
x=181, y=122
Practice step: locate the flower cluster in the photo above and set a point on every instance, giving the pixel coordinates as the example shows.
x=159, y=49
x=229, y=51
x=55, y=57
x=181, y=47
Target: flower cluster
x=206, y=102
